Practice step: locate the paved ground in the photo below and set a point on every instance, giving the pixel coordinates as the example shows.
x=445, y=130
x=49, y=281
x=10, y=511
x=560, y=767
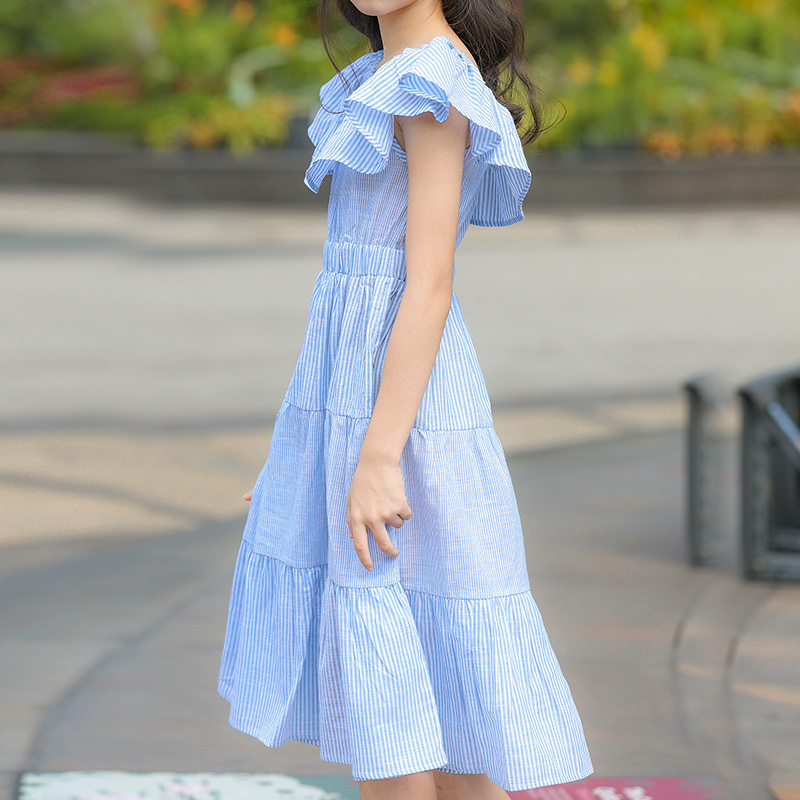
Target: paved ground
x=144, y=352
x=118, y=313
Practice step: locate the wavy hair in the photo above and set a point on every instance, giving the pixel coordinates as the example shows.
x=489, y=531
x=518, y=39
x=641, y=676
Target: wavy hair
x=492, y=31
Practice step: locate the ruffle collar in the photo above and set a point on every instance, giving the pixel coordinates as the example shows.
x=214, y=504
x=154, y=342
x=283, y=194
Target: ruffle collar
x=355, y=125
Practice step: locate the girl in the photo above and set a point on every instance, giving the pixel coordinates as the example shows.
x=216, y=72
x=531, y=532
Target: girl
x=381, y=607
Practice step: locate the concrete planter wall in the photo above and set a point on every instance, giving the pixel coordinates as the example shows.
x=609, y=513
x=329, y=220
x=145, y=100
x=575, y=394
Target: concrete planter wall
x=276, y=176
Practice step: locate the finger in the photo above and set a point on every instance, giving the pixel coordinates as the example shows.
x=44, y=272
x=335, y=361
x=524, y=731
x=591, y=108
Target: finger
x=405, y=512
x=348, y=516
x=383, y=539
x=396, y=521
x=361, y=546
x=247, y=496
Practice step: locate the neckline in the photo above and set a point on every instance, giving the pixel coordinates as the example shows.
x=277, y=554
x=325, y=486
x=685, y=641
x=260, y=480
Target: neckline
x=375, y=69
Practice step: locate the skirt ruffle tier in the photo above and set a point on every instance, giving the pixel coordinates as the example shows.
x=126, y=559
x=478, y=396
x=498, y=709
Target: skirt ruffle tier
x=438, y=658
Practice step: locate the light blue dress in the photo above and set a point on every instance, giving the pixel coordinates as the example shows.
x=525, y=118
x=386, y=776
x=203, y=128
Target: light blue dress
x=439, y=657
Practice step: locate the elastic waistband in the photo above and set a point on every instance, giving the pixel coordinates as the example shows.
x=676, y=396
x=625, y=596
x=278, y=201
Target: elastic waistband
x=354, y=258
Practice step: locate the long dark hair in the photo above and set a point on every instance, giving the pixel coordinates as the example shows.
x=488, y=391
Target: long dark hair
x=492, y=32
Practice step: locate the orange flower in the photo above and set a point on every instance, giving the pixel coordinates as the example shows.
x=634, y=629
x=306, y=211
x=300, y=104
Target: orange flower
x=666, y=144
x=200, y=134
x=285, y=35
x=720, y=138
x=243, y=11
x=792, y=106
x=758, y=136
x=579, y=71
x=712, y=138
x=188, y=6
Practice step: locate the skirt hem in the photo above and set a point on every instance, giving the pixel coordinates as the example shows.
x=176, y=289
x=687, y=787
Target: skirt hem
x=512, y=786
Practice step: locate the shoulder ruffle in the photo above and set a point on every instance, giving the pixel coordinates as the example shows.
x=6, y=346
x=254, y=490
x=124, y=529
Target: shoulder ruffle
x=333, y=94
x=358, y=128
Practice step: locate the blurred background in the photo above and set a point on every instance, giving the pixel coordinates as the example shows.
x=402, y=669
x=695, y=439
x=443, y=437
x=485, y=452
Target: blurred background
x=638, y=331
x=673, y=77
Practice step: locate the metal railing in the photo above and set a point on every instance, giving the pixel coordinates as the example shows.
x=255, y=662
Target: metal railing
x=770, y=477
x=769, y=473
x=702, y=467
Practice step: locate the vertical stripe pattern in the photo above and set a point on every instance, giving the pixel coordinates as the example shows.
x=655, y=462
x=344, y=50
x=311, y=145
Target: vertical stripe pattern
x=355, y=129
x=438, y=658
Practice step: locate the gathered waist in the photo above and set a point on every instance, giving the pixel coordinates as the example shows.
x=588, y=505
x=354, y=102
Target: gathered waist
x=356, y=258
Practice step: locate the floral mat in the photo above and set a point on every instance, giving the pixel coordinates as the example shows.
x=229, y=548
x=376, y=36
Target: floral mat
x=110, y=785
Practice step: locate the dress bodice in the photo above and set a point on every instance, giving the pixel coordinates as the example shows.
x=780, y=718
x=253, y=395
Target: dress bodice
x=354, y=142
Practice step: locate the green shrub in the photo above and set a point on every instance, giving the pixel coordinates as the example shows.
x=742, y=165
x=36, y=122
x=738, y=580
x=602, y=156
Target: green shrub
x=679, y=76
x=674, y=77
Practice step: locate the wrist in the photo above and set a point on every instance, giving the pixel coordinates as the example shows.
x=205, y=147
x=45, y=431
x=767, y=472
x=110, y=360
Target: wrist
x=379, y=455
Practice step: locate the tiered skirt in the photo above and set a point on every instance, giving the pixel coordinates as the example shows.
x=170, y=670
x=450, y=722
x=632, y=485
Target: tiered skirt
x=439, y=657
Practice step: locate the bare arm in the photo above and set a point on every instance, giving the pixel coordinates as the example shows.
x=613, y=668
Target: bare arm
x=435, y=156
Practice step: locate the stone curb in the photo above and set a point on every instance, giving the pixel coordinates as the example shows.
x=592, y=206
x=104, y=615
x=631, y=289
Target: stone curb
x=579, y=179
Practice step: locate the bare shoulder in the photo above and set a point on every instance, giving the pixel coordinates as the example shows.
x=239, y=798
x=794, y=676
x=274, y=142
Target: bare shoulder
x=458, y=44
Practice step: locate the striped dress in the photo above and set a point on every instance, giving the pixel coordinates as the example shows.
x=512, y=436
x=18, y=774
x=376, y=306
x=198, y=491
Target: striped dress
x=439, y=657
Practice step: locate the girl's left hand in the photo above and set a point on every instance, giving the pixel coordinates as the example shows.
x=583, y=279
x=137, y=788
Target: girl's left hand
x=377, y=496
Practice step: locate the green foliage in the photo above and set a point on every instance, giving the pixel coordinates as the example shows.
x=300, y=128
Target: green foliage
x=78, y=32
x=678, y=76
x=218, y=122
x=672, y=76
x=171, y=73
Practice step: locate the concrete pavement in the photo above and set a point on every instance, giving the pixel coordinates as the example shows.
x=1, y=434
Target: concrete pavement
x=143, y=356
x=110, y=654
x=116, y=313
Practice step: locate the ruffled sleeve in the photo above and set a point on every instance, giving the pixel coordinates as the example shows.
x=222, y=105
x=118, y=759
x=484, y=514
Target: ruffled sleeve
x=431, y=77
